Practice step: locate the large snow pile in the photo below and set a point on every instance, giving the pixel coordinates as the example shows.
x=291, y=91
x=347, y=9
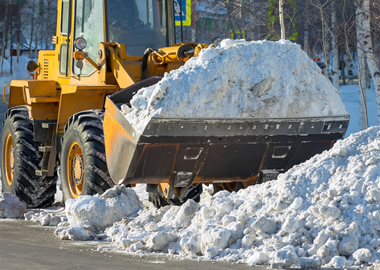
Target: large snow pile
x=325, y=212
x=239, y=79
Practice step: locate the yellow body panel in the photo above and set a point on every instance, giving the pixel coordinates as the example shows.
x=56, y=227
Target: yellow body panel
x=41, y=88
x=76, y=98
x=110, y=124
x=42, y=98
x=47, y=63
x=43, y=110
x=120, y=73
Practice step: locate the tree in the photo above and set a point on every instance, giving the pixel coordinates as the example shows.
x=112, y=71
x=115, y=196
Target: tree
x=5, y=34
x=333, y=31
x=360, y=18
x=281, y=12
x=365, y=45
x=48, y=27
x=32, y=28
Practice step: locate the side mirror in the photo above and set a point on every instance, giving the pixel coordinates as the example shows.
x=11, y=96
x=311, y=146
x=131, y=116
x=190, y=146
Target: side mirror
x=31, y=66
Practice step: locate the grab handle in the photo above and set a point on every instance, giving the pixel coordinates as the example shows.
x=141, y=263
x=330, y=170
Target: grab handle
x=4, y=90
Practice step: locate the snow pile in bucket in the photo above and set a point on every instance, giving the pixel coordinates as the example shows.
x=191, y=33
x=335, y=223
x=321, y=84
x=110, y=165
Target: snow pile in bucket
x=239, y=79
x=325, y=212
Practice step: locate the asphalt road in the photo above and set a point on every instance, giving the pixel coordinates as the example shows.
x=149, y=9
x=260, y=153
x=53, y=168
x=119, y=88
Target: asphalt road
x=26, y=245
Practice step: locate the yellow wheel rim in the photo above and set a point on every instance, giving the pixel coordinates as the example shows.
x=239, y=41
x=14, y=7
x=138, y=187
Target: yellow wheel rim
x=9, y=159
x=75, y=170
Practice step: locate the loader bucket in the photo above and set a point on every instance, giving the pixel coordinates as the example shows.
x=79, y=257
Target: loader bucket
x=185, y=151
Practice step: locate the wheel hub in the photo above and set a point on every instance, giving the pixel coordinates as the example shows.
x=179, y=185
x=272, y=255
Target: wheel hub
x=11, y=158
x=78, y=169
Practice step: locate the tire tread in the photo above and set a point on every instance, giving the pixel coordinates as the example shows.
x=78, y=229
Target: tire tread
x=36, y=191
x=89, y=127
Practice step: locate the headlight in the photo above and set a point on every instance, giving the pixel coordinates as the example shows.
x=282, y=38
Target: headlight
x=79, y=64
x=80, y=43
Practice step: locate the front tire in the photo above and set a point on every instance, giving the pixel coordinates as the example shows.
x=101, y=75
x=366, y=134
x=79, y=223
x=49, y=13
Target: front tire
x=20, y=159
x=83, y=160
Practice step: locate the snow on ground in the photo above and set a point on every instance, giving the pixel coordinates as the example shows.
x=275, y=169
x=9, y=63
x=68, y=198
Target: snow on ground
x=11, y=206
x=350, y=96
x=239, y=79
x=51, y=216
x=325, y=212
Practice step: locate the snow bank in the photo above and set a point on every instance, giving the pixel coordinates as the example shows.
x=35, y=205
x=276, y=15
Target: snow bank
x=19, y=71
x=6, y=64
x=11, y=206
x=47, y=217
x=325, y=212
x=95, y=213
x=239, y=79
x=351, y=96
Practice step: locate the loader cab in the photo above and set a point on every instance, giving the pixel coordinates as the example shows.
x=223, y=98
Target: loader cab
x=138, y=24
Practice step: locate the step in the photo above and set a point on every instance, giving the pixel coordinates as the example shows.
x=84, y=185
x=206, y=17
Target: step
x=44, y=149
x=49, y=125
x=41, y=172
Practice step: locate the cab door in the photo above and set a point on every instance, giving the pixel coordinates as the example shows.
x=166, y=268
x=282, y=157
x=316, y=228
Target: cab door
x=89, y=24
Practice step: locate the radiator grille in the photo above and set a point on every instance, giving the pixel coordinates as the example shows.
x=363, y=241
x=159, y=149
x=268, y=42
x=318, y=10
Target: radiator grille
x=45, y=69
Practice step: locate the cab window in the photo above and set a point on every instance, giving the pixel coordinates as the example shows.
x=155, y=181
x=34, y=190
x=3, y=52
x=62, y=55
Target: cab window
x=65, y=17
x=89, y=25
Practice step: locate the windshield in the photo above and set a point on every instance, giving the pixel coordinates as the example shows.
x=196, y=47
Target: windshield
x=138, y=24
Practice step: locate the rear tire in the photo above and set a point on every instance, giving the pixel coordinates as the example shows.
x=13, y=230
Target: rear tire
x=83, y=161
x=159, y=200
x=20, y=159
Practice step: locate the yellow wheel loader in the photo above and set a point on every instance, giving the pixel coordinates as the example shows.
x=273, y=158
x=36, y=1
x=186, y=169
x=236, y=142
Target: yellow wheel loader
x=70, y=116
